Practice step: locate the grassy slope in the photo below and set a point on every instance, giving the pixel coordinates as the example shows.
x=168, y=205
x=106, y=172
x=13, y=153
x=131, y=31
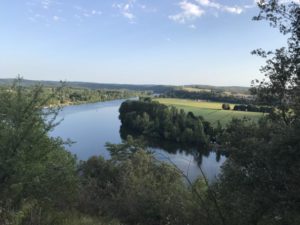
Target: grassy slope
x=211, y=111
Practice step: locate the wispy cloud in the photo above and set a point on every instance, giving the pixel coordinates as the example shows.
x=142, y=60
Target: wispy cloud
x=209, y=3
x=194, y=9
x=126, y=9
x=189, y=12
x=221, y=7
x=49, y=11
x=45, y=11
x=82, y=12
x=47, y=4
x=233, y=9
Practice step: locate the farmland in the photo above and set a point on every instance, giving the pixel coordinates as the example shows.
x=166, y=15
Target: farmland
x=211, y=111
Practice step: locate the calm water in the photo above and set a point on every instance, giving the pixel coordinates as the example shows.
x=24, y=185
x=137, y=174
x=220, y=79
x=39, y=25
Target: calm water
x=90, y=126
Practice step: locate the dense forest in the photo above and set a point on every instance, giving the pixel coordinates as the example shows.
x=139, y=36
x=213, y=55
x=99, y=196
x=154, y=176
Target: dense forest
x=65, y=95
x=156, y=120
x=43, y=184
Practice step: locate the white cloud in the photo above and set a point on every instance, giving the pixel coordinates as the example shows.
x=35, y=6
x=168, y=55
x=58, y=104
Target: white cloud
x=234, y=9
x=218, y=6
x=189, y=12
x=209, y=3
x=126, y=9
x=128, y=15
x=193, y=9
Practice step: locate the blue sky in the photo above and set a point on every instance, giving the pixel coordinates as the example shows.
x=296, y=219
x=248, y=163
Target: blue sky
x=134, y=41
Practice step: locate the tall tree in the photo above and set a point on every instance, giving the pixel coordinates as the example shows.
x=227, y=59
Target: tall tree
x=36, y=172
x=282, y=69
x=260, y=179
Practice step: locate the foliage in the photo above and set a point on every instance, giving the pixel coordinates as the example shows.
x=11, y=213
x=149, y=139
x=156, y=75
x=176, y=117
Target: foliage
x=253, y=108
x=137, y=189
x=92, y=86
x=159, y=121
x=32, y=165
x=79, y=219
x=259, y=182
x=280, y=89
x=69, y=95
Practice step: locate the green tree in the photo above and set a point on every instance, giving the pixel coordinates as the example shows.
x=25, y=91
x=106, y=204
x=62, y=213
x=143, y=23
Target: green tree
x=282, y=70
x=37, y=174
x=260, y=179
x=259, y=182
x=136, y=188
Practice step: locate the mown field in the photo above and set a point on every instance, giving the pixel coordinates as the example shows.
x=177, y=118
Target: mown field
x=211, y=111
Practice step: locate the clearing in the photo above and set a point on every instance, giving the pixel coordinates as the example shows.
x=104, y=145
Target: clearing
x=210, y=111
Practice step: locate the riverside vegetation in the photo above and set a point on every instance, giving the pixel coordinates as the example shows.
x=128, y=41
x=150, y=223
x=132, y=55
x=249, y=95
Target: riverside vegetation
x=71, y=95
x=155, y=120
x=43, y=184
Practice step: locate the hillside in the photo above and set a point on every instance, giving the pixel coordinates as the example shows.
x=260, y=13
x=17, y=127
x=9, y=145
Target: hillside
x=135, y=87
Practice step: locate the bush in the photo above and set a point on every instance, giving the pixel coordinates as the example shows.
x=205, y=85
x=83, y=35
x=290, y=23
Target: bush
x=225, y=106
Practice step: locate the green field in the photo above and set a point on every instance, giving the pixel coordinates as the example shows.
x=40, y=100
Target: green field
x=190, y=89
x=211, y=111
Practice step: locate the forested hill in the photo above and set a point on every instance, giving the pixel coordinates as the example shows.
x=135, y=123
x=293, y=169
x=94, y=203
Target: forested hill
x=135, y=87
x=90, y=85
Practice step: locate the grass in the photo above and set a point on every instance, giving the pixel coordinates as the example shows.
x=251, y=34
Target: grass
x=211, y=111
x=190, y=89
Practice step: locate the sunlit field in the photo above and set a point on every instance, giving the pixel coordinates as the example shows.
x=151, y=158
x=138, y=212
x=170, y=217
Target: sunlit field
x=211, y=111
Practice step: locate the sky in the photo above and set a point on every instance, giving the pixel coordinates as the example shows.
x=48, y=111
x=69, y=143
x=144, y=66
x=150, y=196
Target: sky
x=134, y=41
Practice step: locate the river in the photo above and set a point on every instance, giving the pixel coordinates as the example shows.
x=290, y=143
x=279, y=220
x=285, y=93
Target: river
x=91, y=126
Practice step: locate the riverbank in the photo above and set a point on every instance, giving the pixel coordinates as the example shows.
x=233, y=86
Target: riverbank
x=70, y=103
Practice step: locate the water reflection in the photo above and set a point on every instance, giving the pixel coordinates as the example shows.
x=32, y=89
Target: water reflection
x=91, y=126
x=188, y=158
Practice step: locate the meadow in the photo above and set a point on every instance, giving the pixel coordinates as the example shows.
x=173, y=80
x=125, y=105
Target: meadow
x=210, y=111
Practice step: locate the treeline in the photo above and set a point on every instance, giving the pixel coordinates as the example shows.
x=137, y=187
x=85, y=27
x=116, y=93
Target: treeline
x=253, y=108
x=93, y=86
x=232, y=89
x=64, y=95
x=215, y=96
x=76, y=95
x=156, y=120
